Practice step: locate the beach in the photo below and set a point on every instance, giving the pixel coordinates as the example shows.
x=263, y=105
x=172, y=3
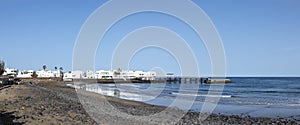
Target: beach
x=52, y=102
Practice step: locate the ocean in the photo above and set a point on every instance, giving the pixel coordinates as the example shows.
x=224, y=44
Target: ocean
x=247, y=96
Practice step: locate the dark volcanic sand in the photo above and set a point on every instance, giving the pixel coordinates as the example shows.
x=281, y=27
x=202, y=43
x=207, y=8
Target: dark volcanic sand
x=52, y=103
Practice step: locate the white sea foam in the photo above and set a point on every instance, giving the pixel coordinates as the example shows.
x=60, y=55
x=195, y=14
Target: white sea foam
x=214, y=96
x=73, y=86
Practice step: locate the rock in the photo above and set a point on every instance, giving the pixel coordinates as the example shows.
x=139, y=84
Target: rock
x=24, y=116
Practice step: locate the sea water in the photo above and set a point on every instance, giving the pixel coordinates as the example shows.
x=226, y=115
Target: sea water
x=254, y=96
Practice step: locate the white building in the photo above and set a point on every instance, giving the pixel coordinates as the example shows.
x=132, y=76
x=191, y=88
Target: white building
x=77, y=74
x=10, y=72
x=25, y=74
x=44, y=74
x=145, y=75
x=150, y=75
x=102, y=74
x=48, y=74
x=139, y=74
x=68, y=76
x=128, y=74
x=74, y=75
x=89, y=75
x=110, y=74
x=56, y=73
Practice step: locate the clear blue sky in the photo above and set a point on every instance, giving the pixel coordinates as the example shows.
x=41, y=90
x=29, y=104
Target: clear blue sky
x=261, y=37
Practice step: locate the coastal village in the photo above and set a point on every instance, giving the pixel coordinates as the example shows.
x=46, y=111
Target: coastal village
x=14, y=76
x=70, y=76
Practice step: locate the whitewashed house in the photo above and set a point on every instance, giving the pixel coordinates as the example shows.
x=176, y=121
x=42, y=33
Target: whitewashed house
x=150, y=75
x=56, y=73
x=10, y=72
x=89, y=75
x=78, y=74
x=145, y=75
x=48, y=74
x=45, y=74
x=25, y=74
x=110, y=74
x=129, y=74
x=68, y=76
x=123, y=74
x=73, y=75
x=102, y=74
x=139, y=74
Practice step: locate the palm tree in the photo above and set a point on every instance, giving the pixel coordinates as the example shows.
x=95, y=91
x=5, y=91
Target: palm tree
x=61, y=72
x=34, y=75
x=2, y=65
x=44, y=67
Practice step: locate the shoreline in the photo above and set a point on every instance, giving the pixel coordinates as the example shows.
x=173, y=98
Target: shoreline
x=253, y=110
x=25, y=98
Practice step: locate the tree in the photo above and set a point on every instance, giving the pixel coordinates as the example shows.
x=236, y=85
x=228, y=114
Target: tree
x=119, y=70
x=61, y=68
x=44, y=67
x=61, y=72
x=34, y=75
x=55, y=67
x=2, y=65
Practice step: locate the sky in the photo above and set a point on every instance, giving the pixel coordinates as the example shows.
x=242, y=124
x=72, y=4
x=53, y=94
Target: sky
x=260, y=37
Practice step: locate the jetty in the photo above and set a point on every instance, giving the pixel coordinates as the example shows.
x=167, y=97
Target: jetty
x=193, y=79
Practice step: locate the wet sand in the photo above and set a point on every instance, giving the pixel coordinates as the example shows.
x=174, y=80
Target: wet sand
x=51, y=102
